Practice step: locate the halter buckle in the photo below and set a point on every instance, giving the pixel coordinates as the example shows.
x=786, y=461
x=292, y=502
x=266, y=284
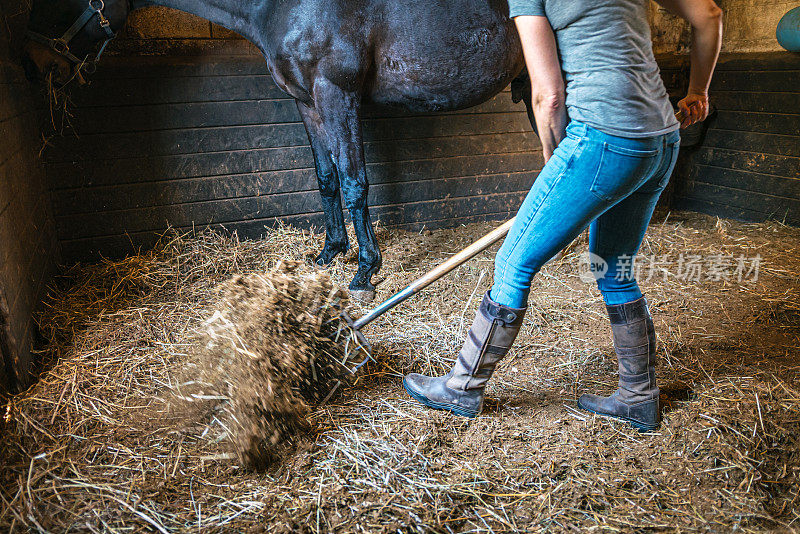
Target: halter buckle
x=60, y=46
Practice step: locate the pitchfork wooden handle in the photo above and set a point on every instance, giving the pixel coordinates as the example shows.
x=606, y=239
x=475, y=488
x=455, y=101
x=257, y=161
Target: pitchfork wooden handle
x=465, y=255
x=431, y=276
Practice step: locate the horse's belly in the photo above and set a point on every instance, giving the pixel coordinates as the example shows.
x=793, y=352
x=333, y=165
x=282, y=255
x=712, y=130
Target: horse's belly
x=455, y=69
x=444, y=92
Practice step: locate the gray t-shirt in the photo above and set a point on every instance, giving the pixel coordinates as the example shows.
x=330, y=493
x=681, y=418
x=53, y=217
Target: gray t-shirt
x=613, y=81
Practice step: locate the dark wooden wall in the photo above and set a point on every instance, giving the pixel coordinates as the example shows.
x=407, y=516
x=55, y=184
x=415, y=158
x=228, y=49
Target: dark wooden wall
x=191, y=143
x=28, y=248
x=194, y=142
x=748, y=164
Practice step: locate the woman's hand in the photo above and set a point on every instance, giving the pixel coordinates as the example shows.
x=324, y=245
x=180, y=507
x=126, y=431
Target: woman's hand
x=693, y=109
x=706, y=20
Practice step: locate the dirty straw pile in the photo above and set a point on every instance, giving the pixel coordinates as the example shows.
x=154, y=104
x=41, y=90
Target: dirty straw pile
x=266, y=355
x=166, y=379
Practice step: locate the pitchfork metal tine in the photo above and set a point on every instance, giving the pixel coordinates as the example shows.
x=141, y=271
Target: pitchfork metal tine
x=354, y=337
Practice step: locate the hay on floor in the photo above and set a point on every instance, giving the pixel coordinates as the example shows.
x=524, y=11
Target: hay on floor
x=86, y=449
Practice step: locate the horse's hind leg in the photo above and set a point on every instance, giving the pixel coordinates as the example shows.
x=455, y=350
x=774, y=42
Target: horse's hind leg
x=336, y=241
x=339, y=111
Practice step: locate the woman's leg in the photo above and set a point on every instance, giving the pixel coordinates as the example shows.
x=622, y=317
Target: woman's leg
x=586, y=175
x=617, y=234
x=615, y=237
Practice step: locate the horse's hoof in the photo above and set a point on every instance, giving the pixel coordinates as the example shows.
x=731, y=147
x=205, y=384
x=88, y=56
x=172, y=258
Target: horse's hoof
x=362, y=295
x=326, y=257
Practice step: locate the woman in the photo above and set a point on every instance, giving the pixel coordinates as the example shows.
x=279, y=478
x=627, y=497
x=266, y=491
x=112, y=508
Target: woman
x=610, y=141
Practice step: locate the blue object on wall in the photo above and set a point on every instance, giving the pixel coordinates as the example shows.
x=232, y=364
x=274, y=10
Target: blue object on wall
x=788, y=32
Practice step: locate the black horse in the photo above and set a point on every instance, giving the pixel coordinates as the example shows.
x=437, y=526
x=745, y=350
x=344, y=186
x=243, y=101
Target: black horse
x=331, y=56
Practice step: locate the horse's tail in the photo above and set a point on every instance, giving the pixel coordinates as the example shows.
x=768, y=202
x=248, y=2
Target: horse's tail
x=521, y=90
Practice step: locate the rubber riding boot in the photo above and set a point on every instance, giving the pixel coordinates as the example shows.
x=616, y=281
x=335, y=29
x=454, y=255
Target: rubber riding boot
x=636, y=400
x=461, y=390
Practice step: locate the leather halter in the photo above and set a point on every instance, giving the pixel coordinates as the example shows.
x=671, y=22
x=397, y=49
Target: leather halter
x=60, y=45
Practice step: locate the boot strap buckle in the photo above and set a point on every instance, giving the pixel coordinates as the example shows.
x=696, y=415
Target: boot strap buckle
x=503, y=314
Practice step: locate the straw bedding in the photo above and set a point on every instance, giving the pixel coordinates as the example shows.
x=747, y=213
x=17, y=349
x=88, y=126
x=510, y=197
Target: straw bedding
x=96, y=444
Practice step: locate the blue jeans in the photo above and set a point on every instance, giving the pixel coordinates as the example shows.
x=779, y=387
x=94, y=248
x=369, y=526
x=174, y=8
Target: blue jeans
x=610, y=182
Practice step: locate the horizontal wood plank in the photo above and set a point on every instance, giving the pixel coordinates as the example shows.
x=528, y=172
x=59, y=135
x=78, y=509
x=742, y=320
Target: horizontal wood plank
x=170, y=192
x=758, y=62
x=113, y=95
x=778, y=145
x=749, y=181
x=86, y=173
x=184, y=115
x=755, y=81
x=128, y=145
x=744, y=160
x=711, y=207
x=773, y=207
x=140, y=67
x=221, y=211
x=756, y=122
x=772, y=102
x=116, y=91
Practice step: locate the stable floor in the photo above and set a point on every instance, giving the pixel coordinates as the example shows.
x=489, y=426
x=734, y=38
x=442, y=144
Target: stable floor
x=85, y=450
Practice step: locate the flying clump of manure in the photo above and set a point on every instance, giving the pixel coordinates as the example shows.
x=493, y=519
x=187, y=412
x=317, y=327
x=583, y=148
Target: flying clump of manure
x=265, y=358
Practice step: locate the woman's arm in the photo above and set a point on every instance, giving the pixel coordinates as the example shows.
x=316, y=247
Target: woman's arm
x=706, y=20
x=547, y=82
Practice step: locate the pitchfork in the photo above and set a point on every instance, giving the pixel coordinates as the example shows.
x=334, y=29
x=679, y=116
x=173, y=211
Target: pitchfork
x=358, y=350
